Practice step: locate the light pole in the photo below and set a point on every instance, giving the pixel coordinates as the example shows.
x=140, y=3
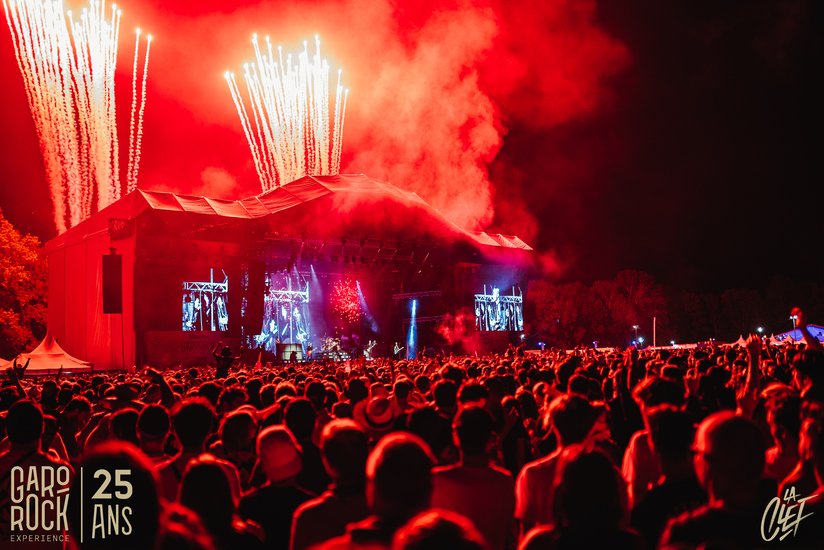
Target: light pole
x=760, y=330
x=636, y=332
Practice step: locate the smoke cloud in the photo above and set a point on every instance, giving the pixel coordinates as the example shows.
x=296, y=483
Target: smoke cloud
x=433, y=86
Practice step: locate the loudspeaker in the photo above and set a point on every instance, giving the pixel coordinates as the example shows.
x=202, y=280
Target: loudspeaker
x=253, y=320
x=112, y=283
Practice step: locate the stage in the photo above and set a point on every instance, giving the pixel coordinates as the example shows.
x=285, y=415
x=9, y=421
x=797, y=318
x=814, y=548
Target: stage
x=342, y=265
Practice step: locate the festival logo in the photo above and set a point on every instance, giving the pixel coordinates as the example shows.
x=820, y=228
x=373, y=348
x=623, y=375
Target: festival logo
x=41, y=512
x=782, y=517
x=39, y=498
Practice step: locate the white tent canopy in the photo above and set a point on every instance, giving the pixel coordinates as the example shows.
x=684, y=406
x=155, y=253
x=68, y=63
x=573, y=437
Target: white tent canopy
x=48, y=357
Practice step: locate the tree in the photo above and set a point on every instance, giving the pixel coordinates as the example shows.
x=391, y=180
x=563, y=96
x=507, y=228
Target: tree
x=564, y=309
x=631, y=298
x=23, y=291
x=740, y=308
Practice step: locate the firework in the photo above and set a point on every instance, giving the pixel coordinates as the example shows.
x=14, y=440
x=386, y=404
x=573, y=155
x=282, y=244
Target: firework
x=345, y=300
x=68, y=70
x=293, y=134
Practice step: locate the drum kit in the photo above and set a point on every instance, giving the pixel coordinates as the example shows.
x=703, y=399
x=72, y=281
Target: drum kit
x=330, y=344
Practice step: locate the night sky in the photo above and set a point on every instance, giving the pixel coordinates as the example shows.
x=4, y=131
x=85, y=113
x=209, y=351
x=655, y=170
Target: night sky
x=682, y=138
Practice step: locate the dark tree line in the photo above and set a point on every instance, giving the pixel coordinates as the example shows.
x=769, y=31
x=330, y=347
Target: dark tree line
x=606, y=311
x=23, y=291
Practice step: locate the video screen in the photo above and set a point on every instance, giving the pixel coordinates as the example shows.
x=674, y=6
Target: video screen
x=286, y=317
x=496, y=310
x=205, y=303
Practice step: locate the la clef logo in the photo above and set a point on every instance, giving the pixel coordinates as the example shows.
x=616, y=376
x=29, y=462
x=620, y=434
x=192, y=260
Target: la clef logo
x=782, y=518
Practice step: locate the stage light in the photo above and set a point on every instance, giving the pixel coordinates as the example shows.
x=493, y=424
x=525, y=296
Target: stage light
x=364, y=260
x=641, y=339
x=760, y=329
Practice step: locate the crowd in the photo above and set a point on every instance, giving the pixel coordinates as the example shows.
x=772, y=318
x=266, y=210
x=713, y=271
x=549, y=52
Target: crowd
x=606, y=450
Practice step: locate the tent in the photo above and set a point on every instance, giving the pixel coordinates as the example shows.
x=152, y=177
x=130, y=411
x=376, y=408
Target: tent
x=796, y=336
x=48, y=357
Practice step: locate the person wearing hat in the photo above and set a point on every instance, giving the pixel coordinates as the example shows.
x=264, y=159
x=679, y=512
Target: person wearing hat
x=376, y=416
x=272, y=505
x=224, y=359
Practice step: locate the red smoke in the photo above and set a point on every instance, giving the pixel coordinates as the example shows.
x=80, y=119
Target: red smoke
x=433, y=86
x=459, y=329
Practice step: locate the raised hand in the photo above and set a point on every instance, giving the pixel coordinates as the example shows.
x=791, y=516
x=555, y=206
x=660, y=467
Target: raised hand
x=20, y=371
x=692, y=380
x=753, y=345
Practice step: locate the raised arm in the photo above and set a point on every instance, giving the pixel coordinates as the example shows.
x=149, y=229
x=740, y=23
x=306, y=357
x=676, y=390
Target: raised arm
x=801, y=324
x=748, y=395
x=15, y=372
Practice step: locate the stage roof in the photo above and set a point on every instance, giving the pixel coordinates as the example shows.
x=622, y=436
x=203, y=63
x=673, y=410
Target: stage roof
x=287, y=196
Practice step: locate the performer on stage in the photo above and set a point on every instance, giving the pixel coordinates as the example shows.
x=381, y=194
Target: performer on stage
x=222, y=314
x=367, y=351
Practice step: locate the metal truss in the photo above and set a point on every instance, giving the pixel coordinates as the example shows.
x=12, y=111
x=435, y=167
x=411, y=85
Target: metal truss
x=289, y=295
x=426, y=294
x=207, y=287
x=489, y=299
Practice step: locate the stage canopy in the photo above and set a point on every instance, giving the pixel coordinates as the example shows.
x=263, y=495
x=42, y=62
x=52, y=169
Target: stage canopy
x=343, y=192
x=48, y=357
x=339, y=218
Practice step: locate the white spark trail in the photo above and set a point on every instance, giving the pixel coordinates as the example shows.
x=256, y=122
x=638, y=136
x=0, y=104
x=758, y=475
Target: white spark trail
x=139, y=139
x=129, y=168
x=68, y=68
x=294, y=133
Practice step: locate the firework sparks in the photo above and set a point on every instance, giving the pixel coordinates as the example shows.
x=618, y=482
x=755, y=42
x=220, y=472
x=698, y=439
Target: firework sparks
x=68, y=70
x=345, y=300
x=292, y=134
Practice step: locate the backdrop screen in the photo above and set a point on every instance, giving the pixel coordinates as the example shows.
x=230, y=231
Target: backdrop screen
x=496, y=310
x=187, y=298
x=205, y=302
